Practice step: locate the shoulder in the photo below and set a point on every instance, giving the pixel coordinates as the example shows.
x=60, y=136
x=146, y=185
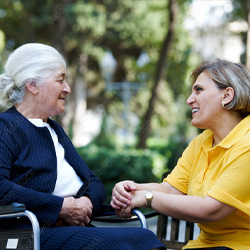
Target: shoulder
x=11, y=114
x=8, y=119
x=7, y=115
x=14, y=124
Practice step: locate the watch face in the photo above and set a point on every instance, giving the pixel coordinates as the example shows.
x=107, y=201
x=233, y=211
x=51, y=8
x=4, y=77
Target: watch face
x=149, y=195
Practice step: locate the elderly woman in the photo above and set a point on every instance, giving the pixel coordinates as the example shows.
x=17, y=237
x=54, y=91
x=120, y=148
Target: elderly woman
x=210, y=184
x=40, y=167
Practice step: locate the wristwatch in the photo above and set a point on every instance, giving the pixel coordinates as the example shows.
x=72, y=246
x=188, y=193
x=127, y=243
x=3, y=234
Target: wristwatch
x=149, y=197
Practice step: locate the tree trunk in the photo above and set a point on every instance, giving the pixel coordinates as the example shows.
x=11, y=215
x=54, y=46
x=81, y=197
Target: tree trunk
x=159, y=75
x=248, y=36
x=79, y=112
x=58, y=26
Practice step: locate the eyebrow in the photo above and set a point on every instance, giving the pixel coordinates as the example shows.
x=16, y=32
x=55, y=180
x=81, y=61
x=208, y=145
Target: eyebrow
x=61, y=75
x=196, y=86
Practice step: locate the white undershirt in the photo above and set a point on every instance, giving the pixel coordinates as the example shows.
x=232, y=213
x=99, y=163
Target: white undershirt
x=68, y=182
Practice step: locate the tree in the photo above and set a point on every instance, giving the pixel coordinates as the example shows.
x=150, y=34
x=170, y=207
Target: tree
x=82, y=30
x=159, y=75
x=241, y=11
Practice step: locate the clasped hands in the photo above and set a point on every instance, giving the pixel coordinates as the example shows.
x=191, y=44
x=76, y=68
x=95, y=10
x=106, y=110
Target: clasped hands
x=75, y=212
x=125, y=197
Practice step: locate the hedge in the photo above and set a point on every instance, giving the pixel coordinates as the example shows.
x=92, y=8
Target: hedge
x=113, y=166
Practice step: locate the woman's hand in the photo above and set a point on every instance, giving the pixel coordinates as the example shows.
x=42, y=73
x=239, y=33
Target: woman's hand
x=75, y=212
x=138, y=200
x=121, y=194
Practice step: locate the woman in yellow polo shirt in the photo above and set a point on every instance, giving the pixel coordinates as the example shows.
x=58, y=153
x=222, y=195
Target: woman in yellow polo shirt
x=210, y=183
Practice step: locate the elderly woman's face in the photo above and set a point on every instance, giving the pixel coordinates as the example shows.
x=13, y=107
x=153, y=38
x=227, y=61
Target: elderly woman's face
x=53, y=92
x=205, y=102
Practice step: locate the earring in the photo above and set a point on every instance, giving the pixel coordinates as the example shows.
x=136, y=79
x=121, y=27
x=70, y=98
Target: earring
x=223, y=104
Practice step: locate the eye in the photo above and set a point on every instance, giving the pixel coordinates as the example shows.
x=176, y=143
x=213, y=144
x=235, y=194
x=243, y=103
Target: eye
x=61, y=81
x=198, y=89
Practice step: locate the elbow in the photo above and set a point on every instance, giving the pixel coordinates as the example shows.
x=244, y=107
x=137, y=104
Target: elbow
x=216, y=215
x=211, y=218
x=213, y=210
x=206, y=218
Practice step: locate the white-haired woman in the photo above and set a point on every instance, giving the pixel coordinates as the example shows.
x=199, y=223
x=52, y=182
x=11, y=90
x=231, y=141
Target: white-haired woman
x=210, y=184
x=40, y=167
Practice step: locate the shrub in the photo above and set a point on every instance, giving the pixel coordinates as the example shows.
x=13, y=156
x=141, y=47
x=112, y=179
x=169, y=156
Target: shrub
x=113, y=166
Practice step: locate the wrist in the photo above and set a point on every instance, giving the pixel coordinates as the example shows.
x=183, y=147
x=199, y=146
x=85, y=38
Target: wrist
x=148, y=198
x=67, y=204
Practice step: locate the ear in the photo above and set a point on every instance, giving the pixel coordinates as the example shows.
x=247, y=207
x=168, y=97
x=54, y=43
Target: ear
x=228, y=95
x=32, y=87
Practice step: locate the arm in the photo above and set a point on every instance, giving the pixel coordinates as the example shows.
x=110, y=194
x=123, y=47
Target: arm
x=45, y=206
x=121, y=193
x=186, y=207
x=19, y=181
x=122, y=196
x=96, y=192
x=95, y=189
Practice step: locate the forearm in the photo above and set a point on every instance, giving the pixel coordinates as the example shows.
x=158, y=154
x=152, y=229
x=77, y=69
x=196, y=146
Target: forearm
x=97, y=194
x=190, y=208
x=187, y=207
x=45, y=206
x=122, y=192
x=163, y=187
x=149, y=186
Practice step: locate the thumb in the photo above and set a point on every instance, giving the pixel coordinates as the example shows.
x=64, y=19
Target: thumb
x=130, y=186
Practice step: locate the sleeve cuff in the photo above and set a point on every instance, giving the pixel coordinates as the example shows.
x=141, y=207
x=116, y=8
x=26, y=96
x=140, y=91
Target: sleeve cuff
x=176, y=183
x=224, y=197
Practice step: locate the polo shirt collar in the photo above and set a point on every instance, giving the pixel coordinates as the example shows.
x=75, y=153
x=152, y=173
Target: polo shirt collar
x=235, y=135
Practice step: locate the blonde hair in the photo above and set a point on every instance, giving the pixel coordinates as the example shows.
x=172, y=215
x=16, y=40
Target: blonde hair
x=30, y=62
x=228, y=74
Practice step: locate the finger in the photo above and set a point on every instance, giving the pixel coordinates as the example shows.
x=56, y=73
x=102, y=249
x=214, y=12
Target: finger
x=128, y=211
x=118, y=213
x=89, y=212
x=123, y=214
x=126, y=216
x=86, y=221
x=113, y=205
x=121, y=197
x=118, y=203
x=130, y=186
x=75, y=223
x=119, y=190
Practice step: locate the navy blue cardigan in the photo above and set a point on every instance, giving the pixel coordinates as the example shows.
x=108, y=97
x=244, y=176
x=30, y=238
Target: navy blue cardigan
x=28, y=167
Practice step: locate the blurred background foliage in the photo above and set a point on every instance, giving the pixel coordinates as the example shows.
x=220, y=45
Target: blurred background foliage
x=141, y=135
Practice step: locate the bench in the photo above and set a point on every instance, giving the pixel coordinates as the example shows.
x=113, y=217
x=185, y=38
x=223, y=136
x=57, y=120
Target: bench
x=174, y=233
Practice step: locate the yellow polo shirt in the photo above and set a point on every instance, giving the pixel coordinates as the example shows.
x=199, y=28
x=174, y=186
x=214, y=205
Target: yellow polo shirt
x=222, y=172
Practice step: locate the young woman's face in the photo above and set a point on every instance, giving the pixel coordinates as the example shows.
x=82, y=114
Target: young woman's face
x=205, y=102
x=53, y=93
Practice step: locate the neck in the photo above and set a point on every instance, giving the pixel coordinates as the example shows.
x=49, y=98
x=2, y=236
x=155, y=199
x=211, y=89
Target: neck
x=30, y=111
x=230, y=120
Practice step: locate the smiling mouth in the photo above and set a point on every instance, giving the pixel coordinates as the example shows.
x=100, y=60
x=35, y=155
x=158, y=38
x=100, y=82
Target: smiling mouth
x=195, y=110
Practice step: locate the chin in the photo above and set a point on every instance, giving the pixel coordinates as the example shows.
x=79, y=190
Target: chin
x=197, y=125
x=59, y=111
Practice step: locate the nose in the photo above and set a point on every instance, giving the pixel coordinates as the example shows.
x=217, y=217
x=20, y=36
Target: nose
x=190, y=99
x=66, y=88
